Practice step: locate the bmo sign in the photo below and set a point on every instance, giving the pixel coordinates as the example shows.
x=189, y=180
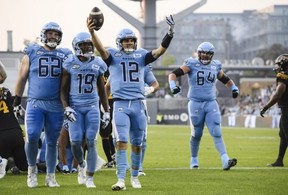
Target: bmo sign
x=175, y=116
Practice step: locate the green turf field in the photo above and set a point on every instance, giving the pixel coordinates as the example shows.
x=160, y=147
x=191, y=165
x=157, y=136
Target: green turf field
x=167, y=167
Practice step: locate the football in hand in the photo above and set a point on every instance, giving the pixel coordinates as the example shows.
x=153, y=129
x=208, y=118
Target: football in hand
x=97, y=16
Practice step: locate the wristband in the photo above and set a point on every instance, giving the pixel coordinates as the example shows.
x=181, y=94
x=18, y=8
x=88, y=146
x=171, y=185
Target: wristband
x=166, y=41
x=17, y=101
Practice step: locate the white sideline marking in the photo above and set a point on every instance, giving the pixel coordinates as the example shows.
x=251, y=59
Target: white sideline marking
x=220, y=168
x=208, y=168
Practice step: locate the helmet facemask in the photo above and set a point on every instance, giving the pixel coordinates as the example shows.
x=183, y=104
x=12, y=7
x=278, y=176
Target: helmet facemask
x=126, y=34
x=85, y=49
x=128, y=48
x=205, y=52
x=205, y=57
x=51, y=42
x=82, y=45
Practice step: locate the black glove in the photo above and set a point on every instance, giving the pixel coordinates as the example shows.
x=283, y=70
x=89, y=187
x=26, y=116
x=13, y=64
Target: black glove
x=176, y=90
x=235, y=91
x=262, y=112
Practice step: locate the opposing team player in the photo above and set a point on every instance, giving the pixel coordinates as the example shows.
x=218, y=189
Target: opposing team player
x=280, y=96
x=11, y=136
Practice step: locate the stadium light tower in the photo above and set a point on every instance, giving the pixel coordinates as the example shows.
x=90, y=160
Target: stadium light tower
x=148, y=28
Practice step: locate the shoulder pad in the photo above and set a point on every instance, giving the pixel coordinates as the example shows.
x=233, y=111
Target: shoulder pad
x=282, y=76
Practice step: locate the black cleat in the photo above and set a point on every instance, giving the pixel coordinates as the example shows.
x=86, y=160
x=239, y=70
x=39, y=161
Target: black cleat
x=276, y=164
x=231, y=163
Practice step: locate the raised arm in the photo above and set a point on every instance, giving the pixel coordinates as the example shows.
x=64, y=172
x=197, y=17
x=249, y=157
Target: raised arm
x=166, y=40
x=96, y=41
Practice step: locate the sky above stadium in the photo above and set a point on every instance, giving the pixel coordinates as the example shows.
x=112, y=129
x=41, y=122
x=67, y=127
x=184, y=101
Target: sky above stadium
x=26, y=17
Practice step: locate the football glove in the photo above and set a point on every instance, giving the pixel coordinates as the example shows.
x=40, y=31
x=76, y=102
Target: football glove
x=262, y=112
x=148, y=90
x=70, y=114
x=19, y=112
x=171, y=23
x=235, y=91
x=174, y=89
x=105, y=119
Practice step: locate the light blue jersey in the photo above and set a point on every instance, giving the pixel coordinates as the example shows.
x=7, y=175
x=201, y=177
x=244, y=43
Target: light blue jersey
x=203, y=107
x=44, y=76
x=127, y=88
x=44, y=109
x=83, y=78
x=84, y=99
x=127, y=74
x=202, y=79
x=149, y=77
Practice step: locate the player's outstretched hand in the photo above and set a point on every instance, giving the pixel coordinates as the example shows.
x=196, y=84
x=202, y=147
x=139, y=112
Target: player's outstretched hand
x=90, y=24
x=171, y=23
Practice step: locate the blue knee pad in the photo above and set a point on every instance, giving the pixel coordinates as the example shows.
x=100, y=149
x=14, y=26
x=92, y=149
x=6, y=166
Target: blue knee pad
x=216, y=131
x=91, y=143
x=136, y=142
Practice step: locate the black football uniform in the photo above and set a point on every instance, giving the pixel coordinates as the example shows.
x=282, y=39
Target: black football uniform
x=11, y=136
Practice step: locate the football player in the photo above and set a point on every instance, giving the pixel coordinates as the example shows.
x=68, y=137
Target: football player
x=203, y=107
x=106, y=133
x=42, y=67
x=126, y=67
x=151, y=86
x=81, y=88
x=280, y=96
x=11, y=135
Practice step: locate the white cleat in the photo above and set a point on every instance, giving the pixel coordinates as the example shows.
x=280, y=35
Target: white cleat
x=32, y=177
x=100, y=163
x=51, y=181
x=135, y=182
x=194, y=163
x=90, y=183
x=120, y=185
x=141, y=173
x=3, y=165
x=82, y=174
